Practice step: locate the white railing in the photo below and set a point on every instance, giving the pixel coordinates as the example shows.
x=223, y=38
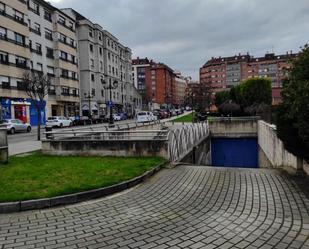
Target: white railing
x=185, y=138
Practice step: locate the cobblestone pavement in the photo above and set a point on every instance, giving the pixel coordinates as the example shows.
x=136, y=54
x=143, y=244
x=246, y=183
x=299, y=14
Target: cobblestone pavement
x=186, y=207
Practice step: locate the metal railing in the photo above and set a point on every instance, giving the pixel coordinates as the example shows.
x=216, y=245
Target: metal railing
x=92, y=132
x=231, y=119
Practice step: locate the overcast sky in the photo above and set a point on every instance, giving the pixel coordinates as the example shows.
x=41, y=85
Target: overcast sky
x=184, y=34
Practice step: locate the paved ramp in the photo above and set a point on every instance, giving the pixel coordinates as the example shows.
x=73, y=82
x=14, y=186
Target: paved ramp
x=185, y=207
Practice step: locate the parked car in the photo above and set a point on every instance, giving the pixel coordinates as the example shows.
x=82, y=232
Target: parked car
x=58, y=121
x=144, y=117
x=16, y=125
x=123, y=116
x=83, y=120
x=117, y=117
x=74, y=119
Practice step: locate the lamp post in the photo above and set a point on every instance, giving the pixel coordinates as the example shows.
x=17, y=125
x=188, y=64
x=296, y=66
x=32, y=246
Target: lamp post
x=89, y=97
x=110, y=86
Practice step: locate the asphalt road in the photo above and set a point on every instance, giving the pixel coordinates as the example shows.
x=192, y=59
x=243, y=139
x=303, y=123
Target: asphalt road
x=26, y=142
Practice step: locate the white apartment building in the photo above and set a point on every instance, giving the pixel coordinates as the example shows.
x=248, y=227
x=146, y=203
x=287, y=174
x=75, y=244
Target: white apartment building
x=36, y=36
x=103, y=60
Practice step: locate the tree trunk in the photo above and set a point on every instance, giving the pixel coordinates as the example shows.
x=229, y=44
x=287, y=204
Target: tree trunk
x=39, y=123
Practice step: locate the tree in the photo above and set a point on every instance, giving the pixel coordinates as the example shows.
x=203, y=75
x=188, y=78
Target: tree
x=222, y=97
x=36, y=85
x=293, y=112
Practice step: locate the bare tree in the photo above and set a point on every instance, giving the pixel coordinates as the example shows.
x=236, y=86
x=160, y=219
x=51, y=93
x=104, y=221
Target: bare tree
x=36, y=85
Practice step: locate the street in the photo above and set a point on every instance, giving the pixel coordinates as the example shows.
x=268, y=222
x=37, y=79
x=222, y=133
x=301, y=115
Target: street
x=26, y=142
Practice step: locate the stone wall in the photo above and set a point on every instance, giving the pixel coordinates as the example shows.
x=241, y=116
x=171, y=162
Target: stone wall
x=272, y=147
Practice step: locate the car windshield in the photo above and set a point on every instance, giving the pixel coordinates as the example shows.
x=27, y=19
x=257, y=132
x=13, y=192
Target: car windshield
x=142, y=114
x=4, y=121
x=52, y=118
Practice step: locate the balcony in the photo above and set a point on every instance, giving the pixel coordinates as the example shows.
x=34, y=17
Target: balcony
x=72, y=62
x=66, y=26
x=39, y=52
x=49, y=37
x=21, y=64
x=38, y=32
x=68, y=77
x=5, y=38
x=6, y=85
x=14, y=18
x=66, y=43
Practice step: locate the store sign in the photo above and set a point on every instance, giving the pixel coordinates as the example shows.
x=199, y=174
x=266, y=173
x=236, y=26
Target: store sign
x=20, y=103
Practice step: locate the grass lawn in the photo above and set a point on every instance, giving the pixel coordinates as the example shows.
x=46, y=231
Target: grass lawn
x=185, y=119
x=38, y=176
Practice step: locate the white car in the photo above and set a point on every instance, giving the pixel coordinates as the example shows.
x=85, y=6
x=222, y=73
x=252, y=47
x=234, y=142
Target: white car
x=144, y=117
x=16, y=125
x=57, y=121
x=117, y=117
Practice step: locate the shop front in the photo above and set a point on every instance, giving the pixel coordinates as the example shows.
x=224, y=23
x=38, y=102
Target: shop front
x=22, y=109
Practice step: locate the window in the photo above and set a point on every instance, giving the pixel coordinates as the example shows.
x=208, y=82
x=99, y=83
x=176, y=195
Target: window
x=100, y=36
x=34, y=7
x=38, y=47
x=61, y=20
x=72, y=43
x=65, y=91
x=90, y=32
x=101, y=65
x=39, y=67
x=65, y=73
x=101, y=51
x=109, y=68
x=20, y=39
x=63, y=55
x=48, y=34
x=49, y=52
x=37, y=28
x=5, y=82
x=93, y=92
x=102, y=93
x=2, y=7
x=63, y=38
x=73, y=58
x=2, y=32
x=92, y=77
x=91, y=47
x=109, y=55
x=74, y=75
x=74, y=92
x=71, y=25
x=18, y=16
x=47, y=15
x=4, y=57
x=50, y=70
x=91, y=62
x=21, y=62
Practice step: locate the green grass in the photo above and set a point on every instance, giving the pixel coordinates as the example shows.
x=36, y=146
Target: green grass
x=38, y=176
x=184, y=119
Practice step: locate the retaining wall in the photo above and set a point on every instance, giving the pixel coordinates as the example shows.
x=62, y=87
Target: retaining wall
x=273, y=149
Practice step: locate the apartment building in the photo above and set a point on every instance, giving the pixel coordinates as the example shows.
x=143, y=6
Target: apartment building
x=36, y=36
x=158, y=84
x=222, y=73
x=103, y=60
x=179, y=89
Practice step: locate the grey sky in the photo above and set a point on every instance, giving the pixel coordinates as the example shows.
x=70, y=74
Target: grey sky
x=184, y=34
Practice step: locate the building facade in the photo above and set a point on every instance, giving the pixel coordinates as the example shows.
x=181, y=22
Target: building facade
x=158, y=84
x=224, y=72
x=36, y=36
x=103, y=60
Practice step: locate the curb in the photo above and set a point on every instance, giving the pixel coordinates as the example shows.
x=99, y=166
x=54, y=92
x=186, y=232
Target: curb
x=13, y=207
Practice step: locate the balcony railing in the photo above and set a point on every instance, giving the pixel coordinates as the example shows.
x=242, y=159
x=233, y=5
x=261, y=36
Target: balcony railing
x=14, y=18
x=38, y=32
x=5, y=38
x=66, y=26
x=39, y=52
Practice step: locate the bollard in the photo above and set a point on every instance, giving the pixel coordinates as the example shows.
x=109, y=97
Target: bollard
x=4, y=150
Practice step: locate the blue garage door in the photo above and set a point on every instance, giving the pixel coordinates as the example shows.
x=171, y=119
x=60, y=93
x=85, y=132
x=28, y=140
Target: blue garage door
x=239, y=152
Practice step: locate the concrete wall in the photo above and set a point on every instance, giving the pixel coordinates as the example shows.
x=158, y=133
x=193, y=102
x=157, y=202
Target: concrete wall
x=234, y=128
x=106, y=148
x=4, y=151
x=272, y=149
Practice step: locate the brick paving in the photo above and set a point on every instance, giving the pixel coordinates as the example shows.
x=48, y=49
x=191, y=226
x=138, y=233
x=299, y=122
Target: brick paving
x=185, y=207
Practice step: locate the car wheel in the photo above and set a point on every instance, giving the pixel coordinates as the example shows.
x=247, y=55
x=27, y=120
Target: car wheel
x=28, y=129
x=12, y=131
x=70, y=124
x=61, y=125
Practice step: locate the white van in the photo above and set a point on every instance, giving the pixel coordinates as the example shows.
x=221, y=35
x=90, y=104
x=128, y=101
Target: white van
x=143, y=117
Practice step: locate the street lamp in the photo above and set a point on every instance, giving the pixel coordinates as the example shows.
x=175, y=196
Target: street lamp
x=110, y=86
x=89, y=97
